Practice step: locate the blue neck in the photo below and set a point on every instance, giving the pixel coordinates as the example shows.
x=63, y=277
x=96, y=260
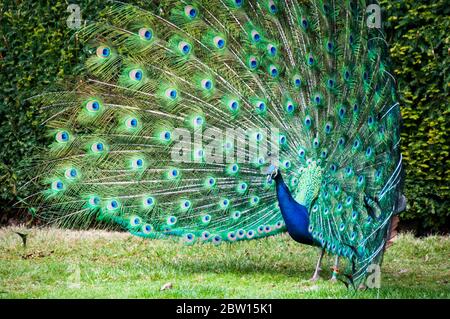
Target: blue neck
x=294, y=214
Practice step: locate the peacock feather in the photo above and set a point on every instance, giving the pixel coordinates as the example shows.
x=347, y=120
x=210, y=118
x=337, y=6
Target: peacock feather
x=184, y=105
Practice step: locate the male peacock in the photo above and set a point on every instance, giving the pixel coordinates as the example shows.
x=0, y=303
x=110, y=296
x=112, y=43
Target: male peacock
x=226, y=120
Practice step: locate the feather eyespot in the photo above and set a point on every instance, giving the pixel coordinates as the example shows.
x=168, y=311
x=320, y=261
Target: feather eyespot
x=171, y=93
x=184, y=47
x=219, y=42
x=97, y=147
x=271, y=49
x=256, y=37
x=190, y=12
x=136, y=74
x=207, y=84
x=112, y=204
x=146, y=34
x=273, y=71
x=71, y=173
x=93, y=106
x=103, y=52
x=171, y=220
x=94, y=201
x=58, y=185
x=147, y=229
x=252, y=62
x=62, y=137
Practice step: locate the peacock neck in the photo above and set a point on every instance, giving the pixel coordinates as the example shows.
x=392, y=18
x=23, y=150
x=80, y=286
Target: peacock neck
x=295, y=215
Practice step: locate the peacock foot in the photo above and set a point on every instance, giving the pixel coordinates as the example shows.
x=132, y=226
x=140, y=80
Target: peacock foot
x=316, y=276
x=333, y=279
x=335, y=270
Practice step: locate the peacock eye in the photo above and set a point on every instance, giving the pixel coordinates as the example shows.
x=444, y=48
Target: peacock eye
x=131, y=123
x=219, y=42
x=272, y=7
x=233, y=105
x=112, y=204
x=290, y=107
x=149, y=201
x=301, y=153
x=171, y=93
x=93, y=106
x=205, y=235
x=136, y=74
x=261, y=106
x=58, y=185
x=186, y=204
x=174, y=173
x=146, y=34
x=94, y=200
x=207, y=84
x=330, y=83
x=98, y=147
x=330, y=46
x=304, y=23
x=190, y=238
x=282, y=139
x=198, y=121
x=273, y=71
x=252, y=62
x=217, y=240
x=238, y=3
x=166, y=136
x=71, y=173
x=171, y=220
x=184, y=47
x=206, y=218
x=137, y=163
x=62, y=136
x=347, y=75
x=236, y=215
x=271, y=49
x=317, y=99
x=147, y=229
x=103, y=52
x=190, y=12
x=256, y=37
x=297, y=81
x=308, y=121
x=250, y=234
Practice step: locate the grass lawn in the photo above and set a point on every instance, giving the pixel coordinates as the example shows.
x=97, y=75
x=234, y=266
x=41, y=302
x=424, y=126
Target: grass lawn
x=99, y=264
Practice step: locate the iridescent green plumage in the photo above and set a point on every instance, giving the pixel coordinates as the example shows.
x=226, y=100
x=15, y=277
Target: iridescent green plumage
x=311, y=73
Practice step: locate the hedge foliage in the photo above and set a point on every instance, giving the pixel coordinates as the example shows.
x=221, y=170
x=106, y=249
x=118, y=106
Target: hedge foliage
x=38, y=49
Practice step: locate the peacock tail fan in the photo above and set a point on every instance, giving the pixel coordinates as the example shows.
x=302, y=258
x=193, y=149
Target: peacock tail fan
x=181, y=108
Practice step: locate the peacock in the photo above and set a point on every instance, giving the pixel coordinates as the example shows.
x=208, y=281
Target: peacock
x=218, y=121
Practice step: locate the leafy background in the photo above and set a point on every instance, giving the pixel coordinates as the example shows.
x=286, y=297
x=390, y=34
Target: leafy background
x=37, y=50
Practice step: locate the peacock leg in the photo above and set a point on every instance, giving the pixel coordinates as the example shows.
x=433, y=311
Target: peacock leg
x=335, y=269
x=316, y=275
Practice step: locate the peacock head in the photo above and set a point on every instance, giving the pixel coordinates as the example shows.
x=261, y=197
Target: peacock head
x=272, y=172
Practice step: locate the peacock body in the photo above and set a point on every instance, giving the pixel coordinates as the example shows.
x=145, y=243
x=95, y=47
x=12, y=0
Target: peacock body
x=227, y=120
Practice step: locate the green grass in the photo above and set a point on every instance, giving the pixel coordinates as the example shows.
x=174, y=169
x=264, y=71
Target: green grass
x=118, y=265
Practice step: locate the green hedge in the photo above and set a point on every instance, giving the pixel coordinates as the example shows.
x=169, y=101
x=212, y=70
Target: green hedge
x=38, y=49
x=420, y=50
